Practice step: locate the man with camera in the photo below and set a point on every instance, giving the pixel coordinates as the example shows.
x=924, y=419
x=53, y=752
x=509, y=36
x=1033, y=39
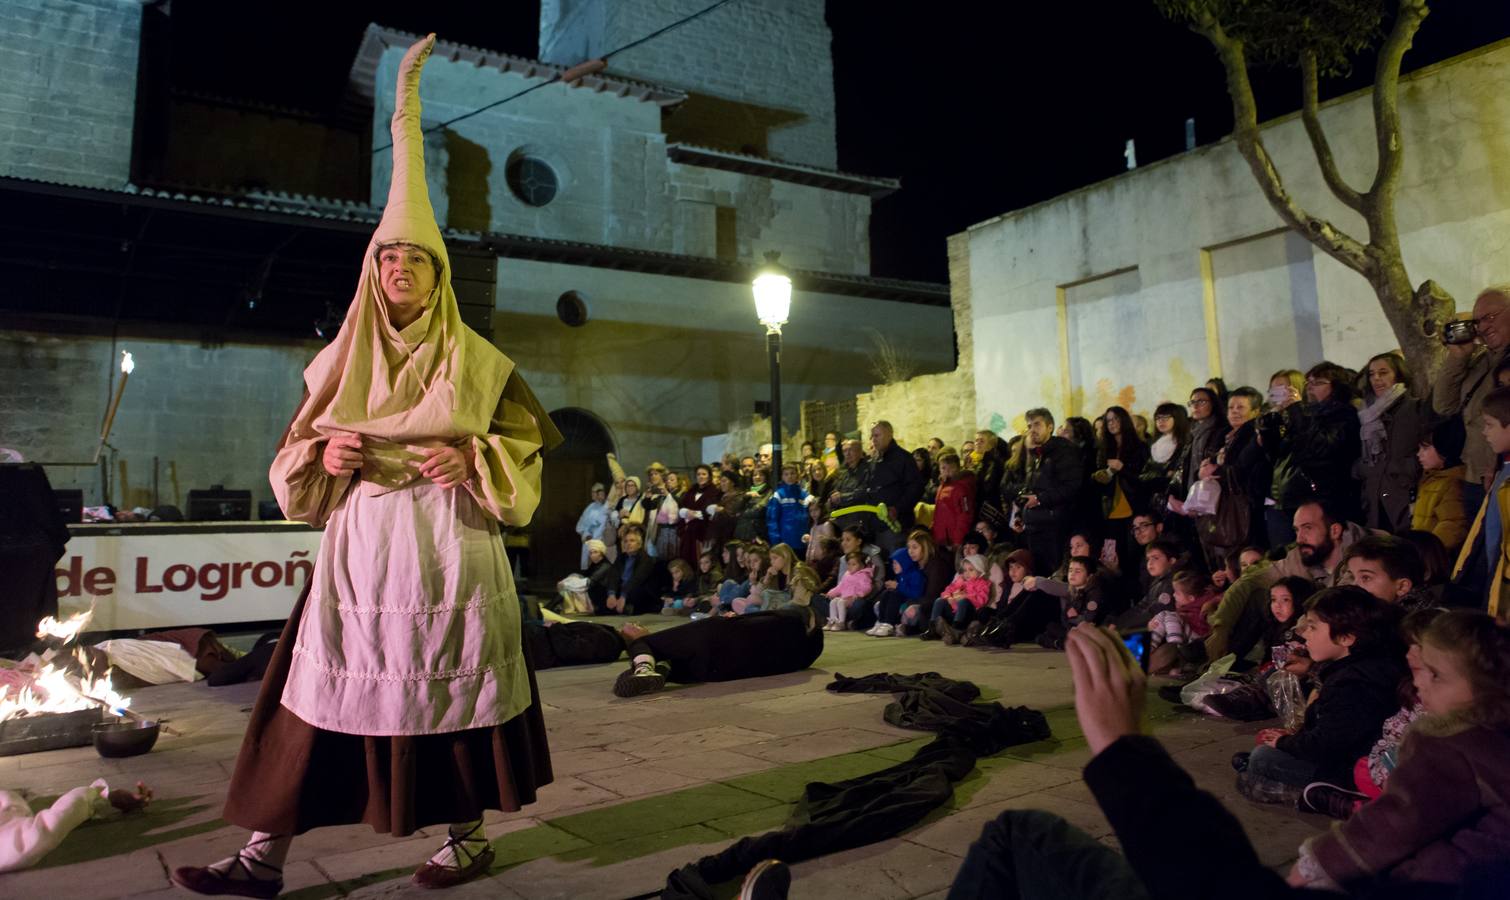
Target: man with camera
x=1048, y=497
x=1474, y=348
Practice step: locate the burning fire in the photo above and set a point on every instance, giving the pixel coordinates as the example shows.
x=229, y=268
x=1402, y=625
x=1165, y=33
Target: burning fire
x=37, y=686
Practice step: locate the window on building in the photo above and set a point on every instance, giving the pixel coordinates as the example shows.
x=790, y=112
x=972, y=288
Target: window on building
x=725, y=234
x=532, y=179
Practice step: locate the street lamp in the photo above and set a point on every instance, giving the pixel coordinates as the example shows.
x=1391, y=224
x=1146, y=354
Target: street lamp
x=773, y=301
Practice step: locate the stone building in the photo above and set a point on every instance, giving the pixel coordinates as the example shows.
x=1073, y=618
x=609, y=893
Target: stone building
x=603, y=232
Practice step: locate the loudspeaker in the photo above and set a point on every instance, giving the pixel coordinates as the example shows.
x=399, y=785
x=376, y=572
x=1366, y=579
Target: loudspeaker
x=220, y=505
x=70, y=504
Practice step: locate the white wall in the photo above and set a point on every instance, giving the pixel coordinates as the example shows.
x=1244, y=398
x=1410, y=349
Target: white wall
x=1278, y=302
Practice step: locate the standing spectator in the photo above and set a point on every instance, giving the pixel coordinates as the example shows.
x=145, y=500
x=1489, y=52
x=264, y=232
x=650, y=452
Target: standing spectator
x=593, y=523
x=1208, y=429
x=1391, y=425
x=1119, y=463
x=989, y=463
x=1244, y=471
x=1172, y=425
x=628, y=510
x=954, y=507
x=695, y=525
x=1053, y=469
x=851, y=488
x=1314, y=446
x=786, y=512
x=896, y=483
x=726, y=512
x=1439, y=505
x=1489, y=538
x=1465, y=380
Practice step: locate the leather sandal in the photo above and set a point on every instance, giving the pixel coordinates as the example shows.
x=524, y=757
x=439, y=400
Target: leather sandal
x=205, y=880
x=432, y=875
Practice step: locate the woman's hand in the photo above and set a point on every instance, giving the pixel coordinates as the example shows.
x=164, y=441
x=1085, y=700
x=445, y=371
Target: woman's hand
x=1114, y=464
x=446, y=466
x=1109, y=686
x=343, y=454
x=1270, y=736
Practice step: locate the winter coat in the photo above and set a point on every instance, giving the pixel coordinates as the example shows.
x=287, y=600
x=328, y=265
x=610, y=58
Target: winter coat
x=1158, y=598
x=1053, y=475
x=1358, y=692
x=1134, y=456
x=786, y=518
x=1459, y=390
x=895, y=482
x=1076, y=605
x=1439, y=507
x=1206, y=439
x=1445, y=809
x=1313, y=448
x=1389, y=480
x=855, y=585
x=977, y=590
x=954, y=510
x=912, y=581
x=695, y=530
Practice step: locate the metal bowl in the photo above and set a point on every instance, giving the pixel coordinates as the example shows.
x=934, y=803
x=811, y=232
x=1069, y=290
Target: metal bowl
x=125, y=738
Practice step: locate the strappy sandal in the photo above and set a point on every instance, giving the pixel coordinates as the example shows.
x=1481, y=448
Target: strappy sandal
x=206, y=880
x=434, y=875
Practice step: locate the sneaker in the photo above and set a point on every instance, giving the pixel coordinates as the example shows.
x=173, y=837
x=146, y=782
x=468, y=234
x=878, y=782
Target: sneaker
x=698, y=616
x=769, y=880
x=1330, y=800
x=641, y=678
x=947, y=632
x=1266, y=790
x=883, y=630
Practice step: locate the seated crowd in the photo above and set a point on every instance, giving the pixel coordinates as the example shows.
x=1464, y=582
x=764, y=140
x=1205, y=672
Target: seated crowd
x=1334, y=536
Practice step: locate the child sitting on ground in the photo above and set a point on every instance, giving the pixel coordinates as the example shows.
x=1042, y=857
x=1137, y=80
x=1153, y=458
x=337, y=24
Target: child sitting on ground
x=1159, y=558
x=1439, y=494
x=754, y=558
x=1444, y=809
x=1079, y=597
x=775, y=591
x=956, y=606
x=677, y=601
x=581, y=592
x=1352, y=639
x=854, y=585
x=709, y=576
x=822, y=527
x=827, y=562
x=1186, y=625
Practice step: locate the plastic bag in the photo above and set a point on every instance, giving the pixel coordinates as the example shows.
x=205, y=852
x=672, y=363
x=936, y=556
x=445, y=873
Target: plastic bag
x=1287, y=698
x=1214, y=681
x=1203, y=498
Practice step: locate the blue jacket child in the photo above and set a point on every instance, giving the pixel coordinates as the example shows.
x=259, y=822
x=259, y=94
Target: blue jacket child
x=786, y=515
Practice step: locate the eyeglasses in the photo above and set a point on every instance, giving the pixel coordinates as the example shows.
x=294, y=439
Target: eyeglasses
x=1201, y=402
x=1163, y=416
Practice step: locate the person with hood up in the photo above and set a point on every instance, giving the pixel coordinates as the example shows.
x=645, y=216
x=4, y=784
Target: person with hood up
x=400, y=694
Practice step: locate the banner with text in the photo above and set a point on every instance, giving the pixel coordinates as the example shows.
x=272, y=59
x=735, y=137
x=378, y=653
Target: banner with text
x=171, y=580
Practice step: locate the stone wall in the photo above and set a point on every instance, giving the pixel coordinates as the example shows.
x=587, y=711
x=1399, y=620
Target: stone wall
x=210, y=414
x=774, y=55
x=69, y=95
x=1136, y=289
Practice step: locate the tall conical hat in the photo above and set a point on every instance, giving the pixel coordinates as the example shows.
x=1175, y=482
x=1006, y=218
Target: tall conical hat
x=409, y=217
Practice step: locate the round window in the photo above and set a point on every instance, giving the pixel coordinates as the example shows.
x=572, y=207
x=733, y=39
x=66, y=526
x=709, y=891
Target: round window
x=532, y=180
x=571, y=308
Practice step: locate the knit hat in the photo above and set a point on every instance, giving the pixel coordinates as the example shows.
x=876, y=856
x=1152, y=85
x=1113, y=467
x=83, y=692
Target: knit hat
x=1022, y=558
x=599, y=546
x=977, y=561
x=1448, y=439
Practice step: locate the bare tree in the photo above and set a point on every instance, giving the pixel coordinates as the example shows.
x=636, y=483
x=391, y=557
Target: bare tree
x=890, y=362
x=1320, y=37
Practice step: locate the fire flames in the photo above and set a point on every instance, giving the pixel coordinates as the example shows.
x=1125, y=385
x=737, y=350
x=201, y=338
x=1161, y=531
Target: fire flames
x=37, y=685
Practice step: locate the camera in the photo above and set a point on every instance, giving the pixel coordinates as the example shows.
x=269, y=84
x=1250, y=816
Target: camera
x=1139, y=643
x=1460, y=331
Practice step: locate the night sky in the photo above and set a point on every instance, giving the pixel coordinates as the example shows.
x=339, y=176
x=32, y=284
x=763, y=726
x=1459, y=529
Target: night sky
x=981, y=110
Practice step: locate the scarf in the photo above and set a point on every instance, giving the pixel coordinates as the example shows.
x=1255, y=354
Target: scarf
x=1164, y=449
x=1371, y=422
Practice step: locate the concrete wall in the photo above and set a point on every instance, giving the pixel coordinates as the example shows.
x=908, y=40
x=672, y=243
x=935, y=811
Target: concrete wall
x=68, y=89
x=1141, y=268
x=773, y=54
x=212, y=415
x=666, y=361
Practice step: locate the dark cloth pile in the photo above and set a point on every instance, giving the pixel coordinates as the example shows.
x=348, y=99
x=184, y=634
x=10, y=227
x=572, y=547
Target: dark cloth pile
x=833, y=817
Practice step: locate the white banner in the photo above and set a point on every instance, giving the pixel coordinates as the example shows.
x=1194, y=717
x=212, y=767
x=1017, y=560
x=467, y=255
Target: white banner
x=201, y=575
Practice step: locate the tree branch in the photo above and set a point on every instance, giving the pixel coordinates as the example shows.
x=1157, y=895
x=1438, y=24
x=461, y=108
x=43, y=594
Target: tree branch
x=1332, y=240
x=1408, y=18
x=1309, y=114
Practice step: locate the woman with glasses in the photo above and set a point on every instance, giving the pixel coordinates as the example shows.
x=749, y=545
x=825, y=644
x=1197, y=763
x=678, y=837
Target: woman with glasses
x=1313, y=446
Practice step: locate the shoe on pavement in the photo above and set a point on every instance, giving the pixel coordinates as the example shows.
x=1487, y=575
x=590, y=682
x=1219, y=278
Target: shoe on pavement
x=431, y=875
x=206, y=880
x=1330, y=800
x=1266, y=790
x=641, y=678
x=883, y=630
x=769, y=880
x=948, y=633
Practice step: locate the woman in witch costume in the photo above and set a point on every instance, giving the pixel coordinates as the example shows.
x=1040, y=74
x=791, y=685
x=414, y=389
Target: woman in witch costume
x=400, y=694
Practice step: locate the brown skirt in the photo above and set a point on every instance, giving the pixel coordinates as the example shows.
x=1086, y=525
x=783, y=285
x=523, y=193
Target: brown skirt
x=291, y=776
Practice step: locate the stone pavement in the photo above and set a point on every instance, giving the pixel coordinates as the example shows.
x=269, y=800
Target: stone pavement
x=642, y=786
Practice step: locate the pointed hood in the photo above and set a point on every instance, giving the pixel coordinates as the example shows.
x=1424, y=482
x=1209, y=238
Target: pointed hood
x=409, y=217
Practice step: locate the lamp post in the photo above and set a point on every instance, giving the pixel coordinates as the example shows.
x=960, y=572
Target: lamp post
x=773, y=301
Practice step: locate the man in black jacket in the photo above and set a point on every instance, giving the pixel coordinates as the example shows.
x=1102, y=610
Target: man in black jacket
x=635, y=585
x=852, y=486
x=1048, y=499
x=895, y=482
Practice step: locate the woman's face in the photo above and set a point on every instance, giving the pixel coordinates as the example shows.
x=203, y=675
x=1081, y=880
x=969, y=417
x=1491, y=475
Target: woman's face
x=705, y=564
x=631, y=489
x=1281, y=603
x=673, y=481
x=778, y=562
x=594, y=557
x=657, y=479
x=1200, y=405
x=1239, y=410
x=1381, y=377
x=407, y=275
x=726, y=484
x=1077, y=576
x=1079, y=546
x=915, y=552
x=998, y=577
x=1016, y=571
x=1113, y=425
x=703, y=477
x=1163, y=424
x=1318, y=390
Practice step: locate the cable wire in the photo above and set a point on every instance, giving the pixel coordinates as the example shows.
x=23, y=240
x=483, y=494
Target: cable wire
x=557, y=77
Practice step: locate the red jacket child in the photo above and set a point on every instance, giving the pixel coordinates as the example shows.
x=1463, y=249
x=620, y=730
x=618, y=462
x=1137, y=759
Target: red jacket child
x=954, y=508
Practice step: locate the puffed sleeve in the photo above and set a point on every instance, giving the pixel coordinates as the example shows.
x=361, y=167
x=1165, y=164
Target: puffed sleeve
x=305, y=491
x=508, y=459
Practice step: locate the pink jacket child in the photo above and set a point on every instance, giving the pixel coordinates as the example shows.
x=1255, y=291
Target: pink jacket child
x=977, y=590
x=854, y=585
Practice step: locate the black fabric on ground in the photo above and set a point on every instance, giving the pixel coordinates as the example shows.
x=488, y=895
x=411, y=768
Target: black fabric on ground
x=721, y=648
x=572, y=643
x=833, y=817
x=250, y=667
x=32, y=539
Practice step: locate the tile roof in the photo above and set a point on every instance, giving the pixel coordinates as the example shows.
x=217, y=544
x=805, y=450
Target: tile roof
x=801, y=173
